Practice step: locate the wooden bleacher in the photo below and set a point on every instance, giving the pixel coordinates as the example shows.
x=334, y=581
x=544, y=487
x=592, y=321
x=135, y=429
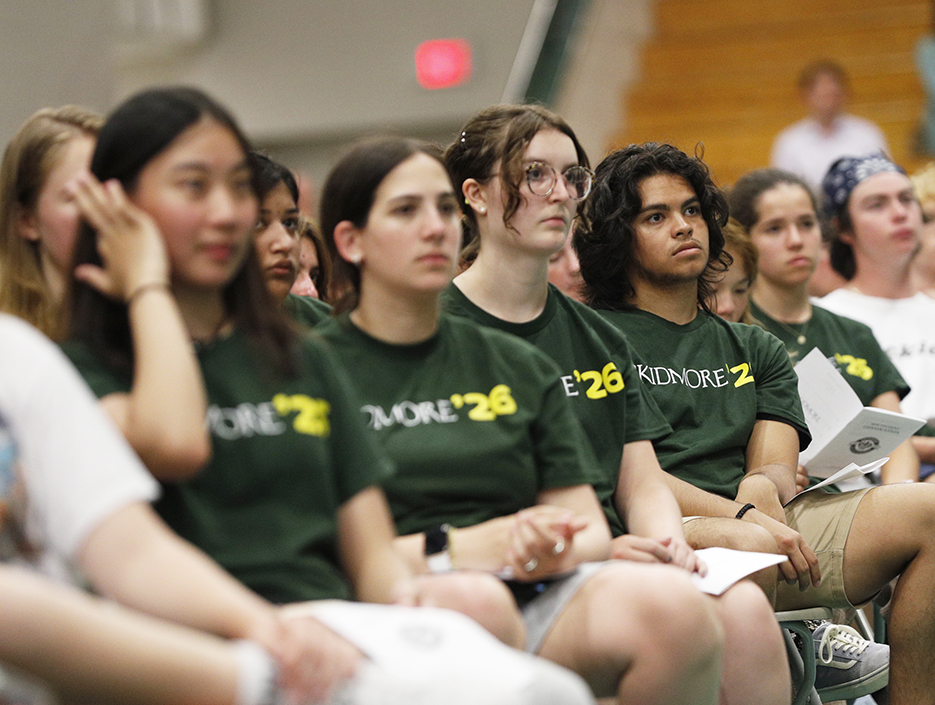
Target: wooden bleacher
x=723, y=73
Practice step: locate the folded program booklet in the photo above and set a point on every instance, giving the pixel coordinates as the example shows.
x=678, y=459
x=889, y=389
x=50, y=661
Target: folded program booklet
x=843, y=430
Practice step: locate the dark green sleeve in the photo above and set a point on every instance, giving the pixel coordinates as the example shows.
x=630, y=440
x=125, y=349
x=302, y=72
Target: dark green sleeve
x=563, y=454
x=358, y=461
x=777, y=386
x=307, y=310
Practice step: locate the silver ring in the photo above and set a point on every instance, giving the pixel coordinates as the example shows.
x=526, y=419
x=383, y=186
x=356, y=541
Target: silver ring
x=531, y=564
x=559, y=546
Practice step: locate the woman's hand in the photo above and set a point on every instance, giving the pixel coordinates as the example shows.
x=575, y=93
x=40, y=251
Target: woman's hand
x=646, y=550
x=128, y=241
x=541, y=538
x=313, y=661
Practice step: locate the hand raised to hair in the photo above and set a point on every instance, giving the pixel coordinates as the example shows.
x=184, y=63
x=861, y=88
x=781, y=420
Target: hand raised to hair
x=128, y=240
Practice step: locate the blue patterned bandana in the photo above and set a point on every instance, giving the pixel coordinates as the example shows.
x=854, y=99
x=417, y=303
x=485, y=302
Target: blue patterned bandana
x=846, y=173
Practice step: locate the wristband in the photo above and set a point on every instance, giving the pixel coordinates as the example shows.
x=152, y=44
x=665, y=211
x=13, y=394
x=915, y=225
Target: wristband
x=143, y=288
x=744, y=509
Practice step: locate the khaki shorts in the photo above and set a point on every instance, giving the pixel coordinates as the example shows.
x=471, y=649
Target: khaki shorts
x=824, y=520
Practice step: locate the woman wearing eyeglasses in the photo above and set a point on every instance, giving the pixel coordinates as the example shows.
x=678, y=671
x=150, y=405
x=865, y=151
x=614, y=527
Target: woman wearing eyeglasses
x=522, y=175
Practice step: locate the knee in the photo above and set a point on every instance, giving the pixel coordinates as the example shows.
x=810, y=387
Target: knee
x=668, y=613
x=745, y=609
x=483, y=598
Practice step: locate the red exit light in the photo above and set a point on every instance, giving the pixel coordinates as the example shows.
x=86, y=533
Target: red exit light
x=443, y=63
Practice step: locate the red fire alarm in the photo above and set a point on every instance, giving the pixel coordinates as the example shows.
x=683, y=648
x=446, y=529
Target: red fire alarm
x=443, y=63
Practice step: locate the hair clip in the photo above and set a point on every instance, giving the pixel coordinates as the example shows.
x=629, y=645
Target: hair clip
x=463, y=135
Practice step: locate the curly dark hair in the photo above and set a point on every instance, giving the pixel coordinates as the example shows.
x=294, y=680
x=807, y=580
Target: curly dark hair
x=497, y=137
x=604, y=235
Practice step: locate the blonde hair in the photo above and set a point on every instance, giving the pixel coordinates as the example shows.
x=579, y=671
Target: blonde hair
x=924, y=183
x=30, y=156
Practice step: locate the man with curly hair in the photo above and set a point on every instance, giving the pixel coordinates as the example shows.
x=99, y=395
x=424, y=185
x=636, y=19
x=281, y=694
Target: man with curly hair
x=649, y=245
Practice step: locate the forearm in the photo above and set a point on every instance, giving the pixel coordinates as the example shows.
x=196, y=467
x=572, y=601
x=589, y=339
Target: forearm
x=654, y=513
x=480, y=547
x=643, y=498
x=88, y=651
x=925, y=448
x=376, y=569
x=133, y=558
x=167, y=405
x=694, y=501
x=767, y=488
x=903, y=465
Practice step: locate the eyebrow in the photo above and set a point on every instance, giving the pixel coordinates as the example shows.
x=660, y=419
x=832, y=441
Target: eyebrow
x=202, y=166
x=531, y=160
x=665, y=206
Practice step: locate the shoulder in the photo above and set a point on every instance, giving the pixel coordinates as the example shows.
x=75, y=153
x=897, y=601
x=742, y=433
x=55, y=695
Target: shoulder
x=473, y=339
x=830, y=320
x=307, y=310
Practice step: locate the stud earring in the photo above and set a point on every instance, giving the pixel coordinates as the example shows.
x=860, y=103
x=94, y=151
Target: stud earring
x=482, y=209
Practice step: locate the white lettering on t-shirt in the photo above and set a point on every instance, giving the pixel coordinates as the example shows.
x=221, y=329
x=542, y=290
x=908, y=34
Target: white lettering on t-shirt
x=569, y=383
x=687, y=377
x=244, y=421
x=410, y=413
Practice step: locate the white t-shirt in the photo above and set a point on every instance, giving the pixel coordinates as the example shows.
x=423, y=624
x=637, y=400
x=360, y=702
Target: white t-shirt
x=806, y=150
x=63, y=464
x=905, y=329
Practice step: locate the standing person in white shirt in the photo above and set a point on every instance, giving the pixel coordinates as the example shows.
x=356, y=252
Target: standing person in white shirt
x=808, y=147
x=878, y=224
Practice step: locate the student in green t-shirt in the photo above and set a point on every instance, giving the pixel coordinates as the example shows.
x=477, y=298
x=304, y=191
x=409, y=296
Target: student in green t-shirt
x=522, y=173
x=779, y=213
x=278, y=239
x=493, y=472
x=253, y=429
x=651, y=246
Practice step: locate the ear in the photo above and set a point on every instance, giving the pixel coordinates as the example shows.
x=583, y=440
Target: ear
x=475, y=196
x=347, y=241
x=847, y=237
x=27, y=224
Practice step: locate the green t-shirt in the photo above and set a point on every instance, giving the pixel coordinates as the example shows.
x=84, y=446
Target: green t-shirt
x=597, y=376
x=849, y=345
x=286, y=455
x=475, y=421
x=307, y=310
x=712, y=380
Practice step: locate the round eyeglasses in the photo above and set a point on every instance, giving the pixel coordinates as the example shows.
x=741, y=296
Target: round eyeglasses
x=541, y=179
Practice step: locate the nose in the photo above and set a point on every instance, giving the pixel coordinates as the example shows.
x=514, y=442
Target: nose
x=560, y=191
x=725, y=305
x=223, y=206
x=304, y=286
x=435, y=224
x=794, y=236
x=680, y=225
x=281, y=240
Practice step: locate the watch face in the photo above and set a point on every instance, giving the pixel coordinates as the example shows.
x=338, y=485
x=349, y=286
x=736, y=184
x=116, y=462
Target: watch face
x=436, y=540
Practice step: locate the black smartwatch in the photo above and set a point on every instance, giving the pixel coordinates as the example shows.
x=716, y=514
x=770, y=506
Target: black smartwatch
x=437, y=552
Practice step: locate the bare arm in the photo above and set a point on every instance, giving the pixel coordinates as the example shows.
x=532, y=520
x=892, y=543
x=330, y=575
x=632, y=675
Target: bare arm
x=648, y=507
x=924, y=446
x=366, y=533
x=569, y=519
x=134, y=558
x=903, y=464
x=771, y=462
x=163, y=415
